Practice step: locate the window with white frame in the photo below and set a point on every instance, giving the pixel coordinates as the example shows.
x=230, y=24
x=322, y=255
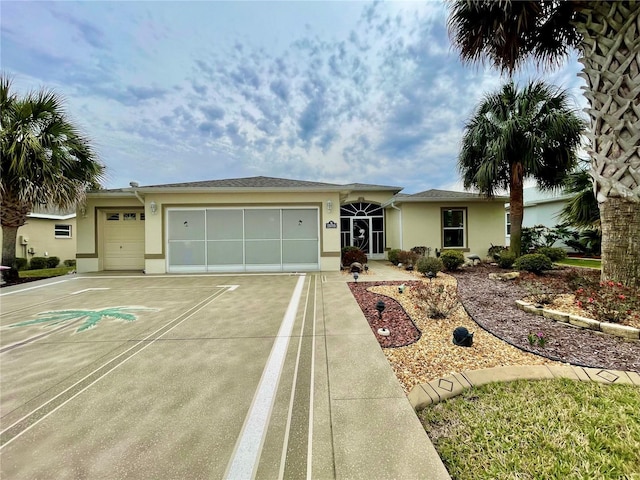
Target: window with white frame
x=508, y=224
x=453, y=227
x=62, y=231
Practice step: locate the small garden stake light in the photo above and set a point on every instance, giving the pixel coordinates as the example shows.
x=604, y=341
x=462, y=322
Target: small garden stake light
x=380, y=306
x=355, y=276
x=430, y=276
x=401, y=288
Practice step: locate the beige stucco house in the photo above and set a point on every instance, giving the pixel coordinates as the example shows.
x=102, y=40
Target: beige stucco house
x=267, y=224
x=48, y=232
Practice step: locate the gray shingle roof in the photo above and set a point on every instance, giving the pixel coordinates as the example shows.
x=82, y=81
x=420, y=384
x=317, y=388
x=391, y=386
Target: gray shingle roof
x=272, y=183
x=435, y=195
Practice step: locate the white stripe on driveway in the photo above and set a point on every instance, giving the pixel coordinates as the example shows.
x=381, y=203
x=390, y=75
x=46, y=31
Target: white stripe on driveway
x=246, y=453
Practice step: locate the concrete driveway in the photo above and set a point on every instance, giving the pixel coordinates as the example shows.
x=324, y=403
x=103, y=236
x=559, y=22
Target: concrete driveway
x=200, y=376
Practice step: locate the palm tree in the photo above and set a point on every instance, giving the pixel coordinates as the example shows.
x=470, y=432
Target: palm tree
x=45, y=160
x=607, y=37
x=581, y=211
x=517, y=134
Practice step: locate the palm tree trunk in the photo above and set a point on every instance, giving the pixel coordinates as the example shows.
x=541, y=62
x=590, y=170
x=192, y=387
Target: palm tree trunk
x=9, y=235
x=621, y=226
x=516, y=209
x=611, y=42
x=13, y=215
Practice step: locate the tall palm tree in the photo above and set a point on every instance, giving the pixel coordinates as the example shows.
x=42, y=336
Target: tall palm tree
x=517, y=134
x=607, y=37
x=44, y=160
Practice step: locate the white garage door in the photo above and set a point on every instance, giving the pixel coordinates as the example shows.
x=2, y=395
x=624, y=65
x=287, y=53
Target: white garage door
x=243, y=239
x=124, y=240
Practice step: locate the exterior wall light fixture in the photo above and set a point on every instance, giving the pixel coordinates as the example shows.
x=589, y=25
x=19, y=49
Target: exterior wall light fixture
x=329, y=205
x=154, y=207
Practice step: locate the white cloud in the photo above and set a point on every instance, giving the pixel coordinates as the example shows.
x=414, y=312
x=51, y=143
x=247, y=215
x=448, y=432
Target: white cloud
x=327, y=91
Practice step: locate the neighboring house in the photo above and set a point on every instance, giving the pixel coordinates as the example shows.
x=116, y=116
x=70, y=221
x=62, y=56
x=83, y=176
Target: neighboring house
x=272, y=224
x=540, y=208
x=48, y=233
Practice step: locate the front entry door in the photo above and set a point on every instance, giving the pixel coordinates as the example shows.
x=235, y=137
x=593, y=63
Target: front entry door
x=361, y=233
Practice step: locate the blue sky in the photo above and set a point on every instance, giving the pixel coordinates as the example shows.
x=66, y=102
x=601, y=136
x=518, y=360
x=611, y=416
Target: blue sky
x=328, y=91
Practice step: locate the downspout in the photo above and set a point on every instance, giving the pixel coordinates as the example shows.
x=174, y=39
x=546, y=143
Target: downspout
x=135, y=192
x=400, y=214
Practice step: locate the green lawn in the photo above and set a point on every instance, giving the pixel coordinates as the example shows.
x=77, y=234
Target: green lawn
x=46, y=272
x=581, y=262
x=539, y=430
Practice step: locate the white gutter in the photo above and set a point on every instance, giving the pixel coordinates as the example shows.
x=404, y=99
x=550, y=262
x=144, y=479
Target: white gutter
x=392, y=205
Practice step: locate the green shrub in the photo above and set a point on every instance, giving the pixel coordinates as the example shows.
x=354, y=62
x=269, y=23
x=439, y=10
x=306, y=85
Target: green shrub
x=533, y=262
x=70, y=262
x=407, y=258
x=429, y=264
x=20, y=263
x=496, y=250
x=353, y=254
x=506, y=259
x=393, y=255
x=53, y=262
x=38, y=263
x=451, y=259
x=553, y=253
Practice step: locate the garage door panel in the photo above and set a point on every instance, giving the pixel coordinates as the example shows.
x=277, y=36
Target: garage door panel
x=225, y=252
x=262, y=252
x=225, y=224
x=187, y=252
x=186, y=225
x=263, y=223
x=299, y=251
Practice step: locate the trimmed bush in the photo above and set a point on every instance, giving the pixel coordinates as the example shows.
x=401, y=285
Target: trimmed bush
x=53, y=262
x=506, y=259
x=533, y=262
x=553, y=253
x=408, y=258
x=38, y=263
x=393, y=255
x=429, y=264
x=353, y=254
x=452, y=259
x=20, y=263
x=69, y=263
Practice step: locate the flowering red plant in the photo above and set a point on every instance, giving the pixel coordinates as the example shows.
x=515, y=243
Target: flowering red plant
x=609, y=301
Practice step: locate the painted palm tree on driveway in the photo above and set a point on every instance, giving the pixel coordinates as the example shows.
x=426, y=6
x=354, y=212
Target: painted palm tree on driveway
x=517, y=134
x=91, y=317
x=606, y=34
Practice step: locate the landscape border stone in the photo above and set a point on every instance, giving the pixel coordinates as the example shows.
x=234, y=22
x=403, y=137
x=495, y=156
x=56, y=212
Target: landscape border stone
x=623, y=331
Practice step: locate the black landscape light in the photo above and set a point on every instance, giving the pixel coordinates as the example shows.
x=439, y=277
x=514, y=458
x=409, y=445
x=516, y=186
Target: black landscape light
x=380, y=306
x=355, y=276
x=430, y=276
x=462, y=337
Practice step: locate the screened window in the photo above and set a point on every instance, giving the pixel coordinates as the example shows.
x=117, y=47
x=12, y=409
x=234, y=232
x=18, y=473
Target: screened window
x=453, y=227
x=62, y=231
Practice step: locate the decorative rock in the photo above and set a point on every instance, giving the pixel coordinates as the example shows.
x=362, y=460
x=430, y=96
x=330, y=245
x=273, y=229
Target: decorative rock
x=504, y=276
